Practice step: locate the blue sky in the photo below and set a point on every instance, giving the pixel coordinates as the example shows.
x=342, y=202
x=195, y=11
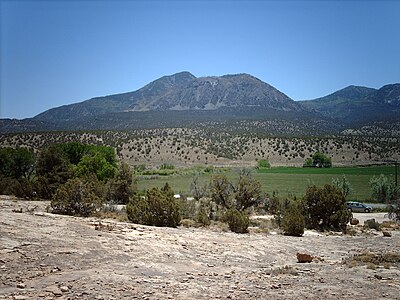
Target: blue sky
x=60, y=52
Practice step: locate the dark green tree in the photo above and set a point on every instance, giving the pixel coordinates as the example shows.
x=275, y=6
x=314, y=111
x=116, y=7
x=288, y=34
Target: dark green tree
x=16, y=163
x=157, y=208
x=53, y=170
x=320, y=160
x=122, y=187
x=238, y=221
x=78, y=197
x=221, y=191
x=325, y=208
x=247, y=192
x=293, y=221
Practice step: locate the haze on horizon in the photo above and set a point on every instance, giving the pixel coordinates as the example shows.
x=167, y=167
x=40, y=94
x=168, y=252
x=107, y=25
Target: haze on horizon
x=54, y=53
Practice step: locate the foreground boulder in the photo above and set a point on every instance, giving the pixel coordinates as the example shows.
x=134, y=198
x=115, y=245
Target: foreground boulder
x=354, y=221
x=304, y=258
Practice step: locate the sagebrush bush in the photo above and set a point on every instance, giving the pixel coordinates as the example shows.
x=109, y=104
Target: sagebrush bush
x=157, y=208
x=238, y=221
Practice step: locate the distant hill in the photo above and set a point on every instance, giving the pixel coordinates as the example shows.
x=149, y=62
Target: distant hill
x=356, y=104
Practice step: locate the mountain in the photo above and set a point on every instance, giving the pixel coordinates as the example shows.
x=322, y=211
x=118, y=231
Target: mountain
x=212, y=93
x=115, y=103
x=357, y=104
x=182, y=99
x=181, y=91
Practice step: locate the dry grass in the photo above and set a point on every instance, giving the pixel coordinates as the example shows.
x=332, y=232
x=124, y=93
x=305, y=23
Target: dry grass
x=373, y=260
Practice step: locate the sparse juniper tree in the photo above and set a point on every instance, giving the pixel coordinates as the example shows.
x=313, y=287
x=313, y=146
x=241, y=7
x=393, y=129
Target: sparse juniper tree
x=247, y=192
x=78, y=197
x=157, y=208
x=343, y=184
x=197, y=189
x=221, y=191
x=325, y=208
x=122, y=187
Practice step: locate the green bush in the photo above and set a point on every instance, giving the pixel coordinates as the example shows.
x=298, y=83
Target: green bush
x=121, y=188
x=372, y=224
x=293, y=221
x=202, y=216
x=157, y=208
x=325, y=208
x=383, y=189
x=78, y=197
x=53, y=170
x=263, y=164
x=238, y=221
x=319, y=160
x=23, y=188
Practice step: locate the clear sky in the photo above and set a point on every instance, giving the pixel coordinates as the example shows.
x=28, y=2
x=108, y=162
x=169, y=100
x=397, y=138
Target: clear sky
x=60, y=52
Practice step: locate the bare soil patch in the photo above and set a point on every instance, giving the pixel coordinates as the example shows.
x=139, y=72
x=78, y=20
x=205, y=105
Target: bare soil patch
x=46, y=256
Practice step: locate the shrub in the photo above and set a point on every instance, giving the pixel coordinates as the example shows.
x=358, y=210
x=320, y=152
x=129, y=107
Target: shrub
x=277, y=207
x=238, y=222
x=23, y=188
x=221, y=191
x=78, y=197
x=53, y=170
x=188, y=207
x=325, y=208
x=247, y=192
x=383, y=189
x=157, y=208
x=293, y=221
x=319, y=160
x=343, y=184
x=202, y=216
x=372, y=224
x=120, y=189
x=263, y=164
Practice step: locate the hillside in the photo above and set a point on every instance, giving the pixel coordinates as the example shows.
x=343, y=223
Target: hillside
x=217, y=145
x=115, y=103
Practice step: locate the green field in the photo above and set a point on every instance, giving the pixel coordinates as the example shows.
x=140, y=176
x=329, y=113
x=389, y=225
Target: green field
x=284, y=181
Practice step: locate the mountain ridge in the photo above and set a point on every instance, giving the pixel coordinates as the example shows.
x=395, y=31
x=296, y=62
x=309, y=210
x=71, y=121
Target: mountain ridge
x=358, y=103
x=183, y=99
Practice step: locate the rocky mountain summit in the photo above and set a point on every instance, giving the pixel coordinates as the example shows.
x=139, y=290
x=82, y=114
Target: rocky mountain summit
x=182, y=91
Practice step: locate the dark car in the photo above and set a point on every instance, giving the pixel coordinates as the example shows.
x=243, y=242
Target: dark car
x=358, y=207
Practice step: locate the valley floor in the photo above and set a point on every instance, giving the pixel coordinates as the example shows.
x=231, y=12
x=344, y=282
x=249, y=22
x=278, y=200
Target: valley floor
x=46, y=256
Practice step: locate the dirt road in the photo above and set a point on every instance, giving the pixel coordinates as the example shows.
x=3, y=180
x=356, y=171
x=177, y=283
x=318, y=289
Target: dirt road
x=46, y=256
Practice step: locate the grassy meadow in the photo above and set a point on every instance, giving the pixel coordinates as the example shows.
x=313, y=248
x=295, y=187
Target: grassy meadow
x=285, y=182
